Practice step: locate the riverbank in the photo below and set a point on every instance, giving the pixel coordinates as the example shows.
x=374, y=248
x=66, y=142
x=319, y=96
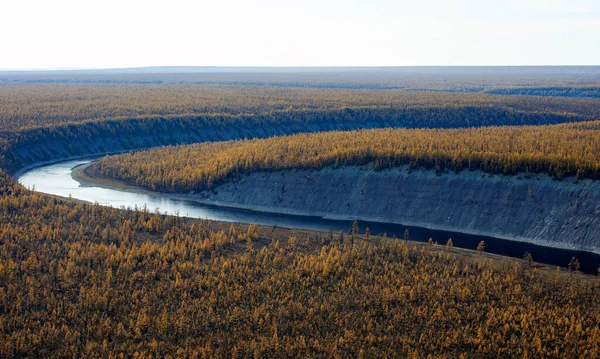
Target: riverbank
x=532, y=209
x=58, y=179
x=278, y=232
x=80, y=174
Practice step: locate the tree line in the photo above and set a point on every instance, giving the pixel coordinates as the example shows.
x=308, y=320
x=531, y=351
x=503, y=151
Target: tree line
x=28, y=106
x=559, y=150
x=449, y=79
x=42, y=122
x=591, y=91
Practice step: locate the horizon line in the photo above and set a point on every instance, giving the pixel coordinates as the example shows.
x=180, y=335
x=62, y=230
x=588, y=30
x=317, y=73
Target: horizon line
x=59, y=69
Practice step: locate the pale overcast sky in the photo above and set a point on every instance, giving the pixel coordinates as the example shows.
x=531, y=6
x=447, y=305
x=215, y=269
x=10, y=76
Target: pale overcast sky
x=132, y=33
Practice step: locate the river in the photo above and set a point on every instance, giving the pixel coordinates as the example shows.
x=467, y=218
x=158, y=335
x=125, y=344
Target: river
x=56, y=179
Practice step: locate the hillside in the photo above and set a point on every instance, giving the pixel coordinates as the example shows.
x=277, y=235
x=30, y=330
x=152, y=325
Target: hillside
x=45, y=122
x=561, y=150
x=532, y=209
x=26, y=106
x=402, y=177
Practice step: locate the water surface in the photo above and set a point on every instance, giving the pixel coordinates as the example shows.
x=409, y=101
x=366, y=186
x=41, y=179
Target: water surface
x=56, y=179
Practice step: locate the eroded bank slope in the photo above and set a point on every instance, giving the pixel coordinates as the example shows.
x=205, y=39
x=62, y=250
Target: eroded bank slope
x=536, y=209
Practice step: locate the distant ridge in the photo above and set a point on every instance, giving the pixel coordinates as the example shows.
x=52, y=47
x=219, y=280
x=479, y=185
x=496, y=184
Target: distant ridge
x=564, y=80
x=551, y=70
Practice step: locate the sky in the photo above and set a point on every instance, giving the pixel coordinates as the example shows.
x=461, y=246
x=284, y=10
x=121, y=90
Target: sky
x=46, y=34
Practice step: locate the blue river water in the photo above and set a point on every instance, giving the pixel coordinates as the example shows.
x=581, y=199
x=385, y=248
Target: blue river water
x=56, y=179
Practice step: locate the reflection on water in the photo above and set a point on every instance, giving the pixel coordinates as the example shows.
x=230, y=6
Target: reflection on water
x=56, y=179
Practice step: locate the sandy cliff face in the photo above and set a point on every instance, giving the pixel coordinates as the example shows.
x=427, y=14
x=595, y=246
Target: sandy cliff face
x=536, y=209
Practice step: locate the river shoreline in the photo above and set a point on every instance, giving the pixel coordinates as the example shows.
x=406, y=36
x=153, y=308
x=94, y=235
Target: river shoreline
x=180, y=204
x=83, y=176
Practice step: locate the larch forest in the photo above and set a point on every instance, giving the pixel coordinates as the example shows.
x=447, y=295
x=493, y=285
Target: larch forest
x=80, y=279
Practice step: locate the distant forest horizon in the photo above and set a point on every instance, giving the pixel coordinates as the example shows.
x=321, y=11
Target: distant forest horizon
x=242, y=68
x=570, y=81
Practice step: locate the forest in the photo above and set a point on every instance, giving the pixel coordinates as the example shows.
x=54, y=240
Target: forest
x=467, y=79
x=84, y=280
x=40, y=122
x=592, y=91
x=29, y=106
x=559, y=150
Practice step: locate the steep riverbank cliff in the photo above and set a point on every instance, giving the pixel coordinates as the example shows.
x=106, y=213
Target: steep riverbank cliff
x=526, y=208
